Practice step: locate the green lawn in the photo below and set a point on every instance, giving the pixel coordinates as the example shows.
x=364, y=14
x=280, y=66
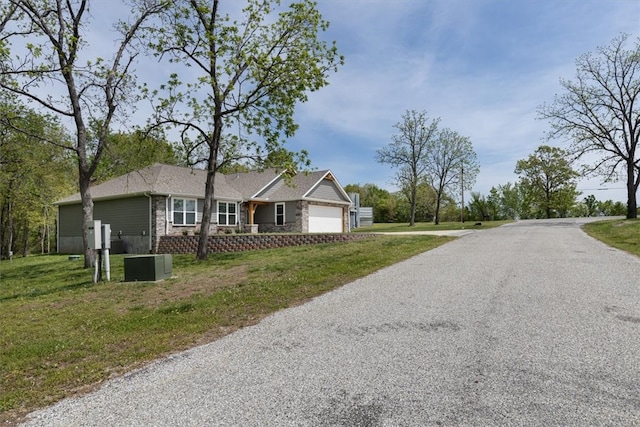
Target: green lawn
x=429, y=226
x=620, y=233
x=60, y=334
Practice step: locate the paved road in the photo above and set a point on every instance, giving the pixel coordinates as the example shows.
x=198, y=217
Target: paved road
x=529, y=324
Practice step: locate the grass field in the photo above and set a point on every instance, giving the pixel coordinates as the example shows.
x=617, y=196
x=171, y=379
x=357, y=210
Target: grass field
x=620, y=233
x=60, y=334
x=429, y=226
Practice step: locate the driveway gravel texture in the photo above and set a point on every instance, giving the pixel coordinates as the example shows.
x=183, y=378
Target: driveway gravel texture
x=529, y=324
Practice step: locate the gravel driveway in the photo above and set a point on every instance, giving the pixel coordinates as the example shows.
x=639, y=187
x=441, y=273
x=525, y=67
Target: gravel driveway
x=533, y=323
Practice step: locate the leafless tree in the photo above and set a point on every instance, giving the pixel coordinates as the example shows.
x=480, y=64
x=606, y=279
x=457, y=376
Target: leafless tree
x=599, y=113
x=408, y=151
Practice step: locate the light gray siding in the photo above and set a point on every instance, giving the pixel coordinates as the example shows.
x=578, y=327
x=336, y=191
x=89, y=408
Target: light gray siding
x=265, y=214
x=275, y=186
x=366, y=217
x=327, y=190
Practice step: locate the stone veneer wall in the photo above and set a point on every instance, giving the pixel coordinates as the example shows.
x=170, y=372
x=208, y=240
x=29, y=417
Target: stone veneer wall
x=247, y=242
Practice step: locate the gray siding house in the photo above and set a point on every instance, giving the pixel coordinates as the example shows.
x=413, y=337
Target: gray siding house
x=163, y=200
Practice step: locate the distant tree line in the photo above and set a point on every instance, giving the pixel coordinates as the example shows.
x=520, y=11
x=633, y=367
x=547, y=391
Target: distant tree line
x=396, y=206
x=546, y=188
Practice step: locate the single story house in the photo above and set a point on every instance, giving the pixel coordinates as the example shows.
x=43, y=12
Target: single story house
x=163, y=200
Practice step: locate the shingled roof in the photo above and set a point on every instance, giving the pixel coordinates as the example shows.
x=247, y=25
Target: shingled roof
x=161, y=179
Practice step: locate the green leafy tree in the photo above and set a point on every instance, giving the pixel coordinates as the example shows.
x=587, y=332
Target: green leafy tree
x=408, y=153
x=611, y=208
x=237, y=98
x=450, y=210
x=425, y=209
x=426, y=203
x=493, y=202
x=515, y=201
x=33, y=174
x=127, y=152
x=548, y=178
x=591, y=205
x=55, y=71
x=381, y=200
x=600, y=113
x=452, y=165
x=479, y=207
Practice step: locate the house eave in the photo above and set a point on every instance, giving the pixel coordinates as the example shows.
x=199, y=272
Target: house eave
x=296, y=199
x=106, y=198
x=335, y=202
x=146, y=193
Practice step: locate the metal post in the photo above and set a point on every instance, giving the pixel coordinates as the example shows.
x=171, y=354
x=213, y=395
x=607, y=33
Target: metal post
x=106, y=245
x=107, y=266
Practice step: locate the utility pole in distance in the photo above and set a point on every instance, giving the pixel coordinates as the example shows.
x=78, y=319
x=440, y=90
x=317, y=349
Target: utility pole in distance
x=462, y=192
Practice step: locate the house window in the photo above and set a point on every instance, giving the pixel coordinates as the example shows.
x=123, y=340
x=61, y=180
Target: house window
x=279, y=213
x=227, y=213
x=184, y=211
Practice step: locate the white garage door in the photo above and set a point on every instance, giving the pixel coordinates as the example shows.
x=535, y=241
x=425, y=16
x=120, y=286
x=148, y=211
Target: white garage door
x=325, y=219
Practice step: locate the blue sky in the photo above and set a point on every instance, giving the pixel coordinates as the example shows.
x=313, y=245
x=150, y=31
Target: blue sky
x=482, y=66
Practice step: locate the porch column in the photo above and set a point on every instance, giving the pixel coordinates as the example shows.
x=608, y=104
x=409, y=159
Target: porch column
x=252, y=211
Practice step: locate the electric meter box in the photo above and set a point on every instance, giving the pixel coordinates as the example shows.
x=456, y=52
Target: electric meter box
x=95, y=234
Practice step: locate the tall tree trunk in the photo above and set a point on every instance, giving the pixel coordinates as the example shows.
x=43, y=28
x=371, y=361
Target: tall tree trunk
x=87, y=217
x=43, y=233
x=212, y=168
x=203, y=240
x=25, y=239
x=632, y=187
x=11, y=230
x=414, y=202
x=41, y=237
x=436, y=216
x=1, y=232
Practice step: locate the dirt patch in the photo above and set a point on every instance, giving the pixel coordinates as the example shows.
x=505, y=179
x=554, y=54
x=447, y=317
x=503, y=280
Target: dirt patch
x=197, y=284
x=624, y=223
x=153, y=295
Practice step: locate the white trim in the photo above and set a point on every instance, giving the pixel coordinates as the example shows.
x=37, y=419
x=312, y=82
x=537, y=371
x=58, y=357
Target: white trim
x=236, y=213
x=184, y=212
x=326, y=201
x=58, y=231
x=166, y=214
